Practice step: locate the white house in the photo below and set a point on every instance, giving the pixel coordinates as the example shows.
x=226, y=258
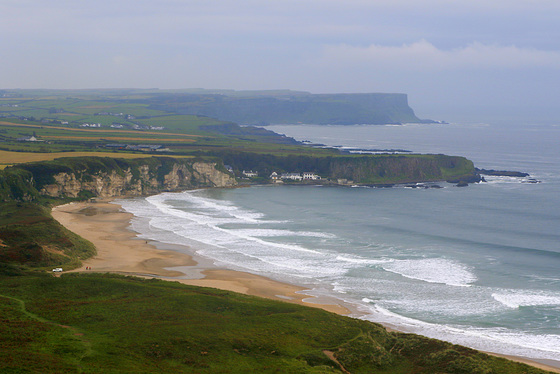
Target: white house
x=28, y=139
x=292, y=176
x=308, y=175
x=250, y=173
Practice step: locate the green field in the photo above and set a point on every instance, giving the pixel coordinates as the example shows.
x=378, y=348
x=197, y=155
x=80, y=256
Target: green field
x=10, y=158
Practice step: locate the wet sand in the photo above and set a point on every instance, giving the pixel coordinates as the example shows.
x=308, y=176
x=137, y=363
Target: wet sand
x=119, y=250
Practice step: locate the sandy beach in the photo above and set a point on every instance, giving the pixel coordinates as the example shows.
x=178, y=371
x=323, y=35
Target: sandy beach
x=119, y=250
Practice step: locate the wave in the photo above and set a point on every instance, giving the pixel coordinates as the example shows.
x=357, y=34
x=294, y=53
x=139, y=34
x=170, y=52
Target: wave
x=519, y=299
x=207, y=207
x=499, y=340
x=361, y=260
x=433, y=270
x=282, y=232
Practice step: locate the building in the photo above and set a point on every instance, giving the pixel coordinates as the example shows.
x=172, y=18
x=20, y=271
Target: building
x=145, y=147
x=291, y=176
x=28, y=139
x=250, y=173
x=116, y=145
x=310, y=176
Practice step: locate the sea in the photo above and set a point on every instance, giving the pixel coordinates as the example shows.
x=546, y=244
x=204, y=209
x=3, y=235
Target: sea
x=477, y=266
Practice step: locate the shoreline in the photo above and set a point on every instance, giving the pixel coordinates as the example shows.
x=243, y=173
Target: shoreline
x=119, y=250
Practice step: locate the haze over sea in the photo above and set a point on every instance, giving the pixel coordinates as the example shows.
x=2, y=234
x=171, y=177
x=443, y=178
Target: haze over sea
x=478, y=266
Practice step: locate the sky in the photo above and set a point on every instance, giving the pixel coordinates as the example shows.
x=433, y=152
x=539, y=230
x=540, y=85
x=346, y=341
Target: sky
x=458, y=60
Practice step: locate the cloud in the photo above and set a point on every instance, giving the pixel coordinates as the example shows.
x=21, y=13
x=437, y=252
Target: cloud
x=423, y=55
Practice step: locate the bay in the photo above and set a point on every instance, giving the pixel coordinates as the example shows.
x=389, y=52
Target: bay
x=478, y=266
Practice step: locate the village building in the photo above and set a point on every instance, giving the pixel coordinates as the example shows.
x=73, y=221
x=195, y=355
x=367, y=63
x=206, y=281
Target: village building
x=292, y=176
x=310, y=176
x=90, y=125
x=116, y=145
x=28, y=139
x=250, y=173
x=147, y=148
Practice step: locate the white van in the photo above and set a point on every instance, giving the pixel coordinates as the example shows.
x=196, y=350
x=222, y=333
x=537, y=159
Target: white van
x=57, y=270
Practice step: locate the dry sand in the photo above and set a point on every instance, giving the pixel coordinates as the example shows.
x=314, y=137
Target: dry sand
x=119, y=250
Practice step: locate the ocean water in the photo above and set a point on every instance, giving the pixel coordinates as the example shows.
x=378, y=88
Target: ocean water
x=478, y=266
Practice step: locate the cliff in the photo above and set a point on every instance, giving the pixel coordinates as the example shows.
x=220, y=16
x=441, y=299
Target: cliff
x=361, y=169
x=290, y=107
x=85, y=177
x=404, y=169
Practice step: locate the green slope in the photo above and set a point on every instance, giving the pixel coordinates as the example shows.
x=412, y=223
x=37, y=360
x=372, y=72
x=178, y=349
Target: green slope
x=94, y=323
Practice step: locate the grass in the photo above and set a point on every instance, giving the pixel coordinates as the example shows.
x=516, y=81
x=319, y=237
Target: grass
x=31, y=238
x=92, y=323
x=105, y=131
x=110, y=138
x=8, y=158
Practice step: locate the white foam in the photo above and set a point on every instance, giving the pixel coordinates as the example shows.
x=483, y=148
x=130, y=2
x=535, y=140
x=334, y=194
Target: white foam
x=247, y=248
x=361, y=260
x=518, y=299
x=433, y=270
x=207, y=207
x=499, y=340
x=282, y=232
x=494, y=179
x=240, y=234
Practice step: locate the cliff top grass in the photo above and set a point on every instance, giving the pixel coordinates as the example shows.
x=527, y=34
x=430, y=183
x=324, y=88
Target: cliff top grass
x=93, y=323
x=10, y=158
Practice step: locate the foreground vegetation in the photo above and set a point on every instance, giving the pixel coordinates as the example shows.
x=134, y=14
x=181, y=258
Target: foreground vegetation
x=30, y=239
x=93, y=323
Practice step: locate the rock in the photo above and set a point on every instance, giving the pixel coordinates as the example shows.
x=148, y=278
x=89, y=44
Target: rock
x=139, y=180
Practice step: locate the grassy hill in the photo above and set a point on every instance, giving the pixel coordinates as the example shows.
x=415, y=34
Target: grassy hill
x=30, y=239
x=94, y=323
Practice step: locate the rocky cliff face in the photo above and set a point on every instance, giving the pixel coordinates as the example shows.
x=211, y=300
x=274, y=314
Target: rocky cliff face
x=135, y=180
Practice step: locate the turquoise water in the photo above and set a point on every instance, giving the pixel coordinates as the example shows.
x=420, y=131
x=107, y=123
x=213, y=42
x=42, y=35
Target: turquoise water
x=478, y=266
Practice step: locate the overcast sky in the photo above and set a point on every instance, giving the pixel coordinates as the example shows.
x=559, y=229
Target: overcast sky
x=456, y=59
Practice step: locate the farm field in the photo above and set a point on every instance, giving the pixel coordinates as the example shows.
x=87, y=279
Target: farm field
x=9, y=158
x=80, y=121
x=83, y=121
